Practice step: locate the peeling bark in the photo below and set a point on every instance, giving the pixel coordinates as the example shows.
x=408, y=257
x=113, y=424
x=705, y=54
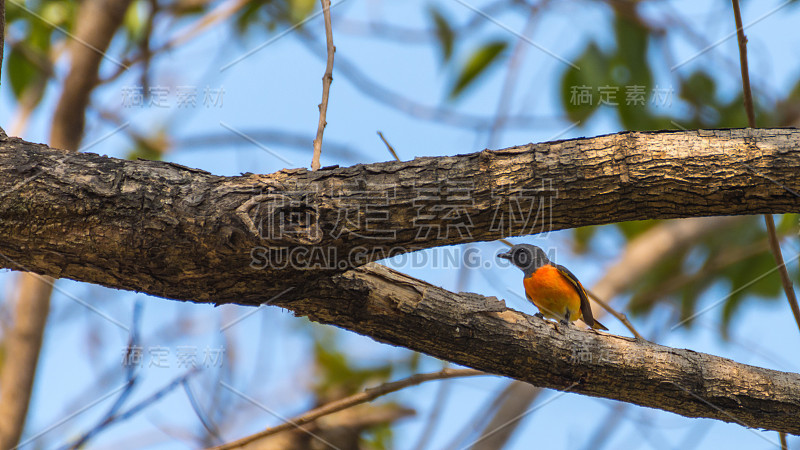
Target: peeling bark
x=185, y=234
x=480, y=332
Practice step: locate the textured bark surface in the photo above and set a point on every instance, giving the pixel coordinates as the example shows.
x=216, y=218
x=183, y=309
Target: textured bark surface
x=95, y=26
x=480, y=332
x=185, y=234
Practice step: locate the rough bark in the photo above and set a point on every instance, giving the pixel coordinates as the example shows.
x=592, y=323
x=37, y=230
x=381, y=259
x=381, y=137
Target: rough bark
x=182, y=233
x=640, y=256
x=96, y=24
x=480, y=332
x=185, y=234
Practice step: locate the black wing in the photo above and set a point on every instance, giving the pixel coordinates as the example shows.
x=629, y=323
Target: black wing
x=586, y=309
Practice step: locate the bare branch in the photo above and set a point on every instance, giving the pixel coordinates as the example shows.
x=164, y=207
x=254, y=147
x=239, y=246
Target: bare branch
x=356, y=399
x=96, y=25
x=389, y=147
x=327, y=78
x=210, y=222
x=247, y=226
x=742, y=39
x=774, y=243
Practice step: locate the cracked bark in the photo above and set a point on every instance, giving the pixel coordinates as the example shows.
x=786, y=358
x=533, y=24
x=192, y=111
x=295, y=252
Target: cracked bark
x=95, y=26
x=185, y=234
x=180, y=233
x=639, y=257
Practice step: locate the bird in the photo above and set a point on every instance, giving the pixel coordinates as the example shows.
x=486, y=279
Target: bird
x=551, y=287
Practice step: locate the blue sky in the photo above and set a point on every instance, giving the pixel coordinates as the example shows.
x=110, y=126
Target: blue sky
x=278, y=88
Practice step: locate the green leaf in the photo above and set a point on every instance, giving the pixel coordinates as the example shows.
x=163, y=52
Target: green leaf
x=699, y=89
x=582, y=237
x=134, y=23
x=632, y=41
x=152, y=147
x=300, y=9
x=444, y=33
x=579, y=85
x=476, y=65
x=20, y=71
x=630, y=73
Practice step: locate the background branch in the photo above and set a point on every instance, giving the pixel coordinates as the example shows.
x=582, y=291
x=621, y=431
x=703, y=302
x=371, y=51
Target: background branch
x=98, y=21
x=367, y=395
x=327, y=78
x=640, y=256
x=184, y=203
x=774, y=243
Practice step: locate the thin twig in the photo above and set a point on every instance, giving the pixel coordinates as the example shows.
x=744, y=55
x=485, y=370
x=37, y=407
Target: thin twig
x=218, y=15
x=389, y=146
x=621, y=317
x=356, y=399
x=774, y=243
x=784, y=444
x=435, y=414
x=326, y=84
x=748, y=95
x=121, y=417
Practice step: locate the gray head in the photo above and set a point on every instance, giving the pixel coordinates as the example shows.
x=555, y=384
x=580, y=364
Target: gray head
x=527, y=257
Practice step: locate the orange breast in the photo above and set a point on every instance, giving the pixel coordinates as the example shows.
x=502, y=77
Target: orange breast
x=553, y=294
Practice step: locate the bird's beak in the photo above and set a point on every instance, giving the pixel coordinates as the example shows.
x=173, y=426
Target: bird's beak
x=506, y=255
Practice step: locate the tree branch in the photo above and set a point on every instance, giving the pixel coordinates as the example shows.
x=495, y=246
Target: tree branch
x=482, y=333
x=327, y=78
x=358, y=398
x=245, y=239
x=182, y=233
x=774, y=243
x=95, y=26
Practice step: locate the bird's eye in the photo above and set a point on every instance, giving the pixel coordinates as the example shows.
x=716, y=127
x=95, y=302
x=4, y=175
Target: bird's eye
x=522, y=259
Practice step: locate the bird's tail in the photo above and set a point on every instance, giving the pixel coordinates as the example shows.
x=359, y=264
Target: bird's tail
x=599, y=326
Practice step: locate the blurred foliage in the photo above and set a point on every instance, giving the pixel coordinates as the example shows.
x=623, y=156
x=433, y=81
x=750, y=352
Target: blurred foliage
x=270, y=14
x=476, y=65
x=732, y=258
x=340, y=372
x=476, y=62
x=29, y=64
x=153, y=148
x=378, y=437
x=735, y=258
x=445, y=35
